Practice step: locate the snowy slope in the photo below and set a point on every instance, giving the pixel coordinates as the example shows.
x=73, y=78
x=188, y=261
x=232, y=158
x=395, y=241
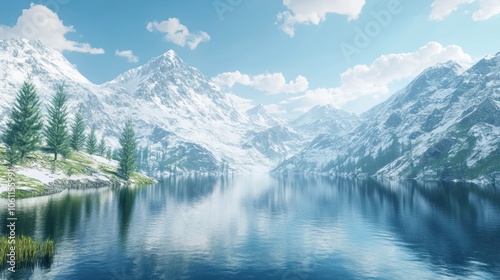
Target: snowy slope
x=20, y=58
x=180, y=115
x=325, y=119
x=444, y=124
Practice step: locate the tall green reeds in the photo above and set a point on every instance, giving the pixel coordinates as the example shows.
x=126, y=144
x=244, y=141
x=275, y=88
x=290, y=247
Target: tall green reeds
x=28, y=251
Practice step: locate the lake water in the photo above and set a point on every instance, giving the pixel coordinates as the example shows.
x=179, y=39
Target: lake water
x=265, y=227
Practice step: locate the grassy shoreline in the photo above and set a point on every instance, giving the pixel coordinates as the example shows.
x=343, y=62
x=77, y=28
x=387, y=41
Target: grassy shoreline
x=39, y=175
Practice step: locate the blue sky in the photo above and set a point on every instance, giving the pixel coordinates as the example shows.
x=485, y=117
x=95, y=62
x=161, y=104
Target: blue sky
x=287, y=54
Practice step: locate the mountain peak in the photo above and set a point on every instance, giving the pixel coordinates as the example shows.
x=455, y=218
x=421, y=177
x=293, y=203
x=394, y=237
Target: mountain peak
x=20, y=44
x=450, y=64
x=437, y=74
x=171, y=54
x=257, y=110
x=488, y=65
x=330, y=107
x=168, y=59
x=261, y=116
x=33, y=57
x=322, y=113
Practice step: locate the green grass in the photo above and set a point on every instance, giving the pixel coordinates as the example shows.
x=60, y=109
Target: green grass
x=36, y=187
x=77, y=163
x=73, y=164
x=28, y=251
x=141, y=180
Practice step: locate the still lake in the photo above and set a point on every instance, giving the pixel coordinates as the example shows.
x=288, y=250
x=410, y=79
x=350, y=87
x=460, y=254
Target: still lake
x=267, y=227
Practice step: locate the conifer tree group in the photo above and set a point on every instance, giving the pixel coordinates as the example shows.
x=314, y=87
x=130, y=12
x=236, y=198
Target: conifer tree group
x=25, y=129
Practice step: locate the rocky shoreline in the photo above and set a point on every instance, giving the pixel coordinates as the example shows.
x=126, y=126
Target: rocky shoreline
x=59, y=185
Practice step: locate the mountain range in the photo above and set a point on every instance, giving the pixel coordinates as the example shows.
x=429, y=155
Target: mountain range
x=444, y=124
x=181, y=117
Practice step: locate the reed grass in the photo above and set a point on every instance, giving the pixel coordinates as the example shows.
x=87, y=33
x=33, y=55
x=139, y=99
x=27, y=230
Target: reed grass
x=28, y=251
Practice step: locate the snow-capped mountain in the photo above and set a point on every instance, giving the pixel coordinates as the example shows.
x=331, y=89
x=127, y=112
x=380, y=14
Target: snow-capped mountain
x=182, y=112
x=185, y=121
x=325, y=119
x=260, y=116
x=444, y=124
x=20, y=58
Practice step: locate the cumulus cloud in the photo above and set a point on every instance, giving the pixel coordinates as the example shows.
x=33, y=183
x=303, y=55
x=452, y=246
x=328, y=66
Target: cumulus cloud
x=315, y=11
x=487, y=9
x=128, y=54
x=443, y=8
x=274, y=83
x=375, y=79
x=178, y=33
x=40, y=23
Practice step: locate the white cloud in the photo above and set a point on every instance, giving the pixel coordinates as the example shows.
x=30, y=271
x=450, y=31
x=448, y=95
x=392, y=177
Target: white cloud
x=129, y=55
x=178, y=33
x=375, y=79
x=40, y=23
x=487, y=9
x=443, y=8
x=271, y=83
x=315, y=11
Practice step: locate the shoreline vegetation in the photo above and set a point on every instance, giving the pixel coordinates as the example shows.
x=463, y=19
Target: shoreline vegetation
x=43, y=154
x=40, y=175
x=29, y=252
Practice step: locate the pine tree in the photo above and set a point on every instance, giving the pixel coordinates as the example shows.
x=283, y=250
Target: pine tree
x=109, y=153
x=127, y=154
x=23, y=128
x=101, y=149
x=78, y=131
x=56, y=131
x=115, y=155
x=92, y=142
x=139, y=158
x=12, y=155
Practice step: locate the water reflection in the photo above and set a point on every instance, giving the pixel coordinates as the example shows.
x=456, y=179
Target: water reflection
x=290, y=227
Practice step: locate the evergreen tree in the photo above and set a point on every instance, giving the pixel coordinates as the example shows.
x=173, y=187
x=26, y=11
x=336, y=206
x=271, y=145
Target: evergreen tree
x=139, y=158
x=101, y=149
x=78, y=131
x=12, y=155
x=56, y=131
x=23, y=128
x=115, y=155
x=145, y=159
x=92, y=142
x=127, y=154
x=109, y=153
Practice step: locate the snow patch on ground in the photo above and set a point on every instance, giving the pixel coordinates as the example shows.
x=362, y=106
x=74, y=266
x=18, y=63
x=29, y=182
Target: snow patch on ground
x=42, y=175
x=102, y=160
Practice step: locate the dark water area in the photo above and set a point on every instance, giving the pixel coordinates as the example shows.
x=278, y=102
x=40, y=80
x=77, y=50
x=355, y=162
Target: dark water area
x=266, y=227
